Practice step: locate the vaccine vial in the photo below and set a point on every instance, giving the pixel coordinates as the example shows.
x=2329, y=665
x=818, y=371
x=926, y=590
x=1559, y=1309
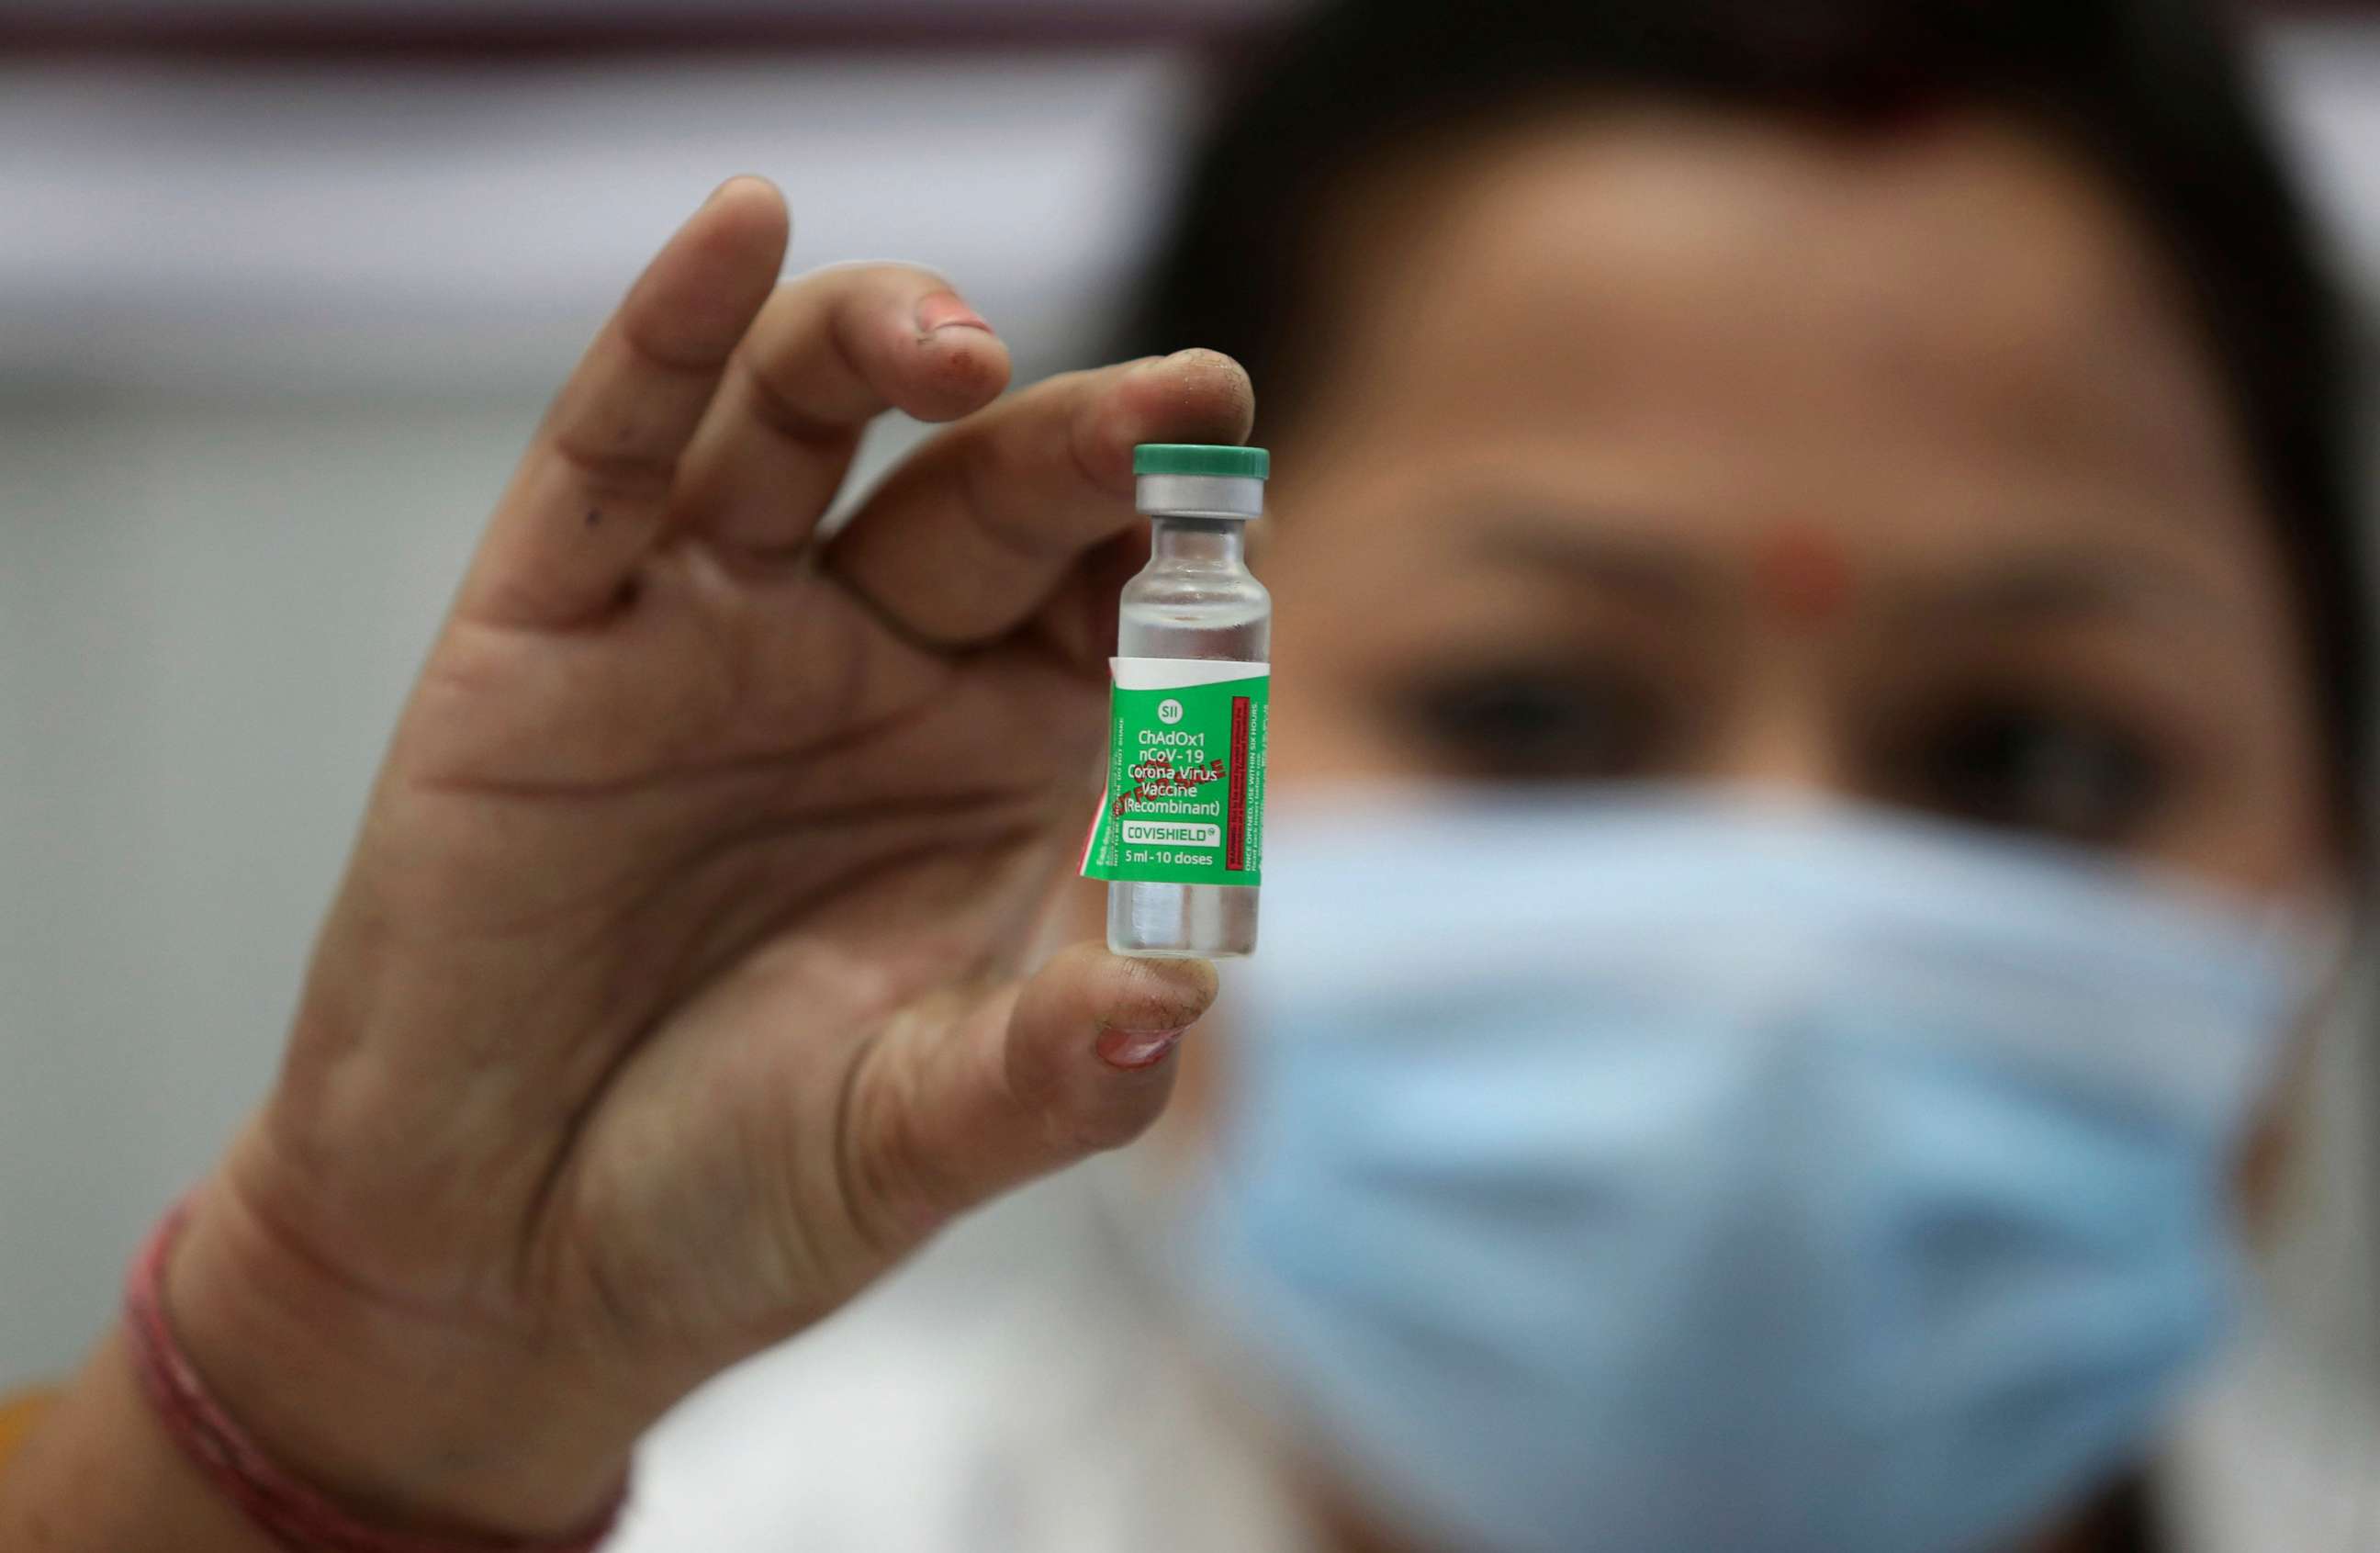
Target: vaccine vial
x=1180, y=833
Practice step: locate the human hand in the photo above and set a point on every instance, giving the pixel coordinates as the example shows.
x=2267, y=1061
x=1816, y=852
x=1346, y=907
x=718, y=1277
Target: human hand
x=671, y=993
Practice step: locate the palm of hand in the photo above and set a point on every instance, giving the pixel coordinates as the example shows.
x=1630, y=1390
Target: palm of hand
x=713, y=886
x=671, y=994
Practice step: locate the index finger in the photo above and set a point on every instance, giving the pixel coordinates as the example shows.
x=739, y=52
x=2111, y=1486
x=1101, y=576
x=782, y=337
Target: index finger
x=966, y=539
x=590, y=497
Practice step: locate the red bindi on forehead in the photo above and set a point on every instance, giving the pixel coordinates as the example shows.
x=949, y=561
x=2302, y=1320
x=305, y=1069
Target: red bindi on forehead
x=1804, y=574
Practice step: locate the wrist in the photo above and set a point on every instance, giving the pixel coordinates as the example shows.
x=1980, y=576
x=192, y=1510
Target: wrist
x=403, y=1419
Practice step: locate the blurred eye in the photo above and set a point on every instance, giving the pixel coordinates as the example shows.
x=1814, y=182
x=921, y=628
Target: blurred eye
x=2035, y=767
x=1537, y=725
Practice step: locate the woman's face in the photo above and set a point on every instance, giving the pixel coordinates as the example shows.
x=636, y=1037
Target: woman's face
x=1678, y=447
x=1673, y=446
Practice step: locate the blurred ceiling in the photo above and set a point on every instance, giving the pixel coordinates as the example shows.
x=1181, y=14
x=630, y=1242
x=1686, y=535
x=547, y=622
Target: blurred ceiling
x=281, y=26
x=272, y=220
x=539, y=27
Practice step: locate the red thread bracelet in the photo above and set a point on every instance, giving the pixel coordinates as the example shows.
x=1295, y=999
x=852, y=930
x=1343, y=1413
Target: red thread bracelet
x=298, y=1517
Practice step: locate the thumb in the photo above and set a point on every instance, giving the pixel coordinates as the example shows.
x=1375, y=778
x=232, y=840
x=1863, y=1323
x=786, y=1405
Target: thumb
x=949, y=1113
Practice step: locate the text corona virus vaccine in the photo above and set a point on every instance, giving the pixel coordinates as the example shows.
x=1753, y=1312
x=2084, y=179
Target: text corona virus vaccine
x=1180, y=834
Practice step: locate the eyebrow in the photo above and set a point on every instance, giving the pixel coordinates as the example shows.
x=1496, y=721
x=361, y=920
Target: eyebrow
x=2044, y=588
x=1647, y=570
x=2060, y=588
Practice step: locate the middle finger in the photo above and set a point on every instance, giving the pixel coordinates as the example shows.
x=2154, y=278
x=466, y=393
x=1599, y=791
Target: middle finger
x=827, y=354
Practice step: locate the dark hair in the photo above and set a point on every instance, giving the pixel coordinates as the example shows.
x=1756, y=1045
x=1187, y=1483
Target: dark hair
x=2152, y=94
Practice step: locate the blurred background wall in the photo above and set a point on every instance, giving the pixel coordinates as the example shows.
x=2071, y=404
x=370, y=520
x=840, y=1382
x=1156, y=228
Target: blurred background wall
x=282, y=287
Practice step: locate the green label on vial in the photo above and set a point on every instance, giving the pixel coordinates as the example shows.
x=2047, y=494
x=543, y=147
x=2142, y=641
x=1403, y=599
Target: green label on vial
x=1185, y=800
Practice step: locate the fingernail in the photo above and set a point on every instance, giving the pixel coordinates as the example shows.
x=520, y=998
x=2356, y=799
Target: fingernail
x=1132, y=1049
x=943, y=310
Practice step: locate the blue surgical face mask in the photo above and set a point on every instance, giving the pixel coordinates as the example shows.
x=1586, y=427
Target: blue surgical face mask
x=1674, y=1175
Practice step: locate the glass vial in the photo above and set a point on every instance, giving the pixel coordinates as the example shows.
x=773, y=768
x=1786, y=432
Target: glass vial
x=1179, y=837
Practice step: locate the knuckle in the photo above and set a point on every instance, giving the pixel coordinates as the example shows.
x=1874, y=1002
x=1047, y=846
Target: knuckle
x=1035, y=1079
x=910, y=277
x=893, y=1191
x=865, y=277
x=779, y=407
x=618, y=474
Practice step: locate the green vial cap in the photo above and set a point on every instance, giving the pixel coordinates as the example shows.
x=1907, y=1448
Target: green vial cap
x=1201, y=458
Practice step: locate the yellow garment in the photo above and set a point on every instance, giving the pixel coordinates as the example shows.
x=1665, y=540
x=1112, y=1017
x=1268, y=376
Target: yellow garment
x=18, y=1415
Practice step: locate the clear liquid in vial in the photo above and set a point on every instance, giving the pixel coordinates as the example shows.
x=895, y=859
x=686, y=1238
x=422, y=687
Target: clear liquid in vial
x=1181, y=615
